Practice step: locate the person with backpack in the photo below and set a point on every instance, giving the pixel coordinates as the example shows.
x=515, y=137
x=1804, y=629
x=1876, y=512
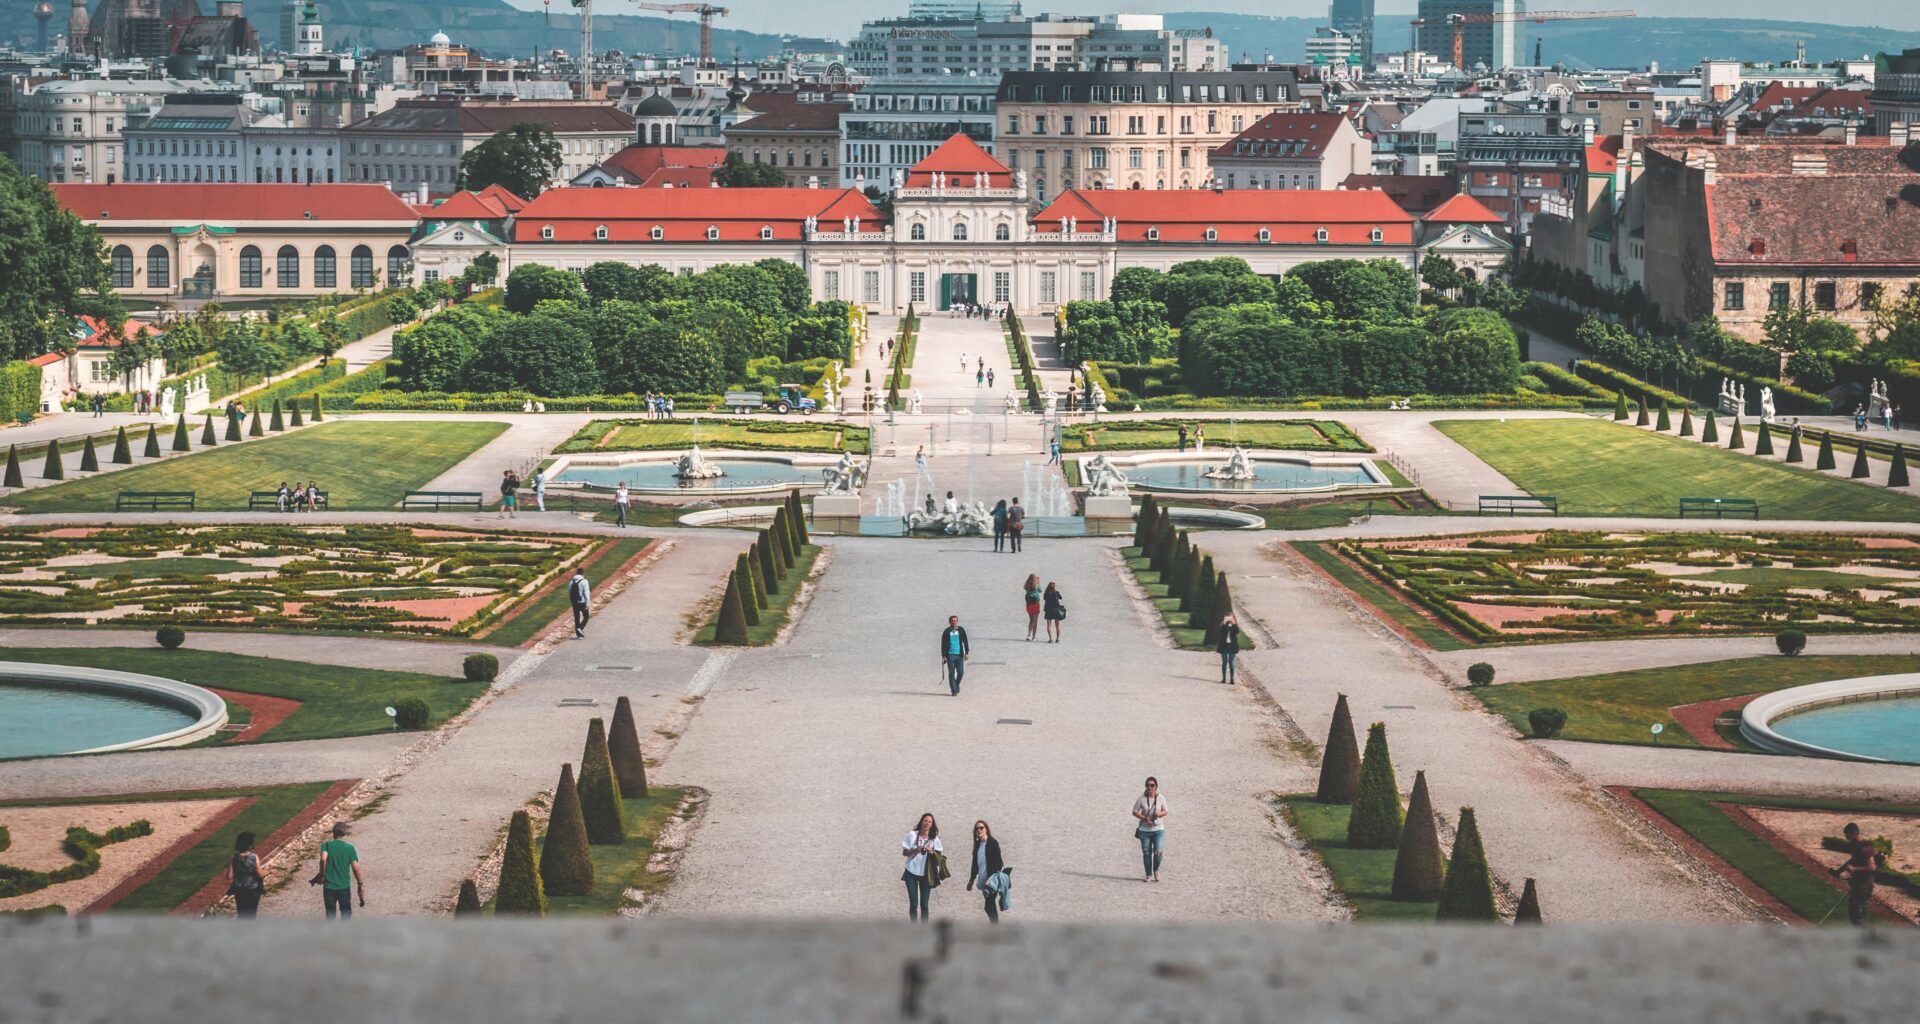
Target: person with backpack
x=1016, y=524
x=247, y=884
x=1056, y=609
x=580, y=595
x=925, y=858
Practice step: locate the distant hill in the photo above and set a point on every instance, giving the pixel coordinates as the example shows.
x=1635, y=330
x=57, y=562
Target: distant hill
x=1623, y=43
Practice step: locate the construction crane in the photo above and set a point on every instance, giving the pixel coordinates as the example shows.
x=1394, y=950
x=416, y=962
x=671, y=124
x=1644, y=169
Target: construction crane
x=1459, y=23
x=705, y=11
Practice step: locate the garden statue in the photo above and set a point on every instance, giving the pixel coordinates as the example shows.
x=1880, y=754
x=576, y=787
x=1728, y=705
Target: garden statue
x=1013, y=404
x=845, y=476
x=965, y=521
x=694, y=466
x=827, y=396
x=1099, y=398
x=1104, y=479
x=1050, y=399
x=166, y=402
x=527, y=406
x=1729, y=402
x=1238, y=467
x=1766, y=405
x=913, y=402
x=1876, y=398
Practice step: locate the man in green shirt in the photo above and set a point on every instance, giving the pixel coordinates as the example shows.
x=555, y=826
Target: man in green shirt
x=339, y=870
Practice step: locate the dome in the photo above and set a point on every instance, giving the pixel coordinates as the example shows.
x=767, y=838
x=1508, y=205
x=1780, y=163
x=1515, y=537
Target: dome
x=655, y=105
x=440, y=39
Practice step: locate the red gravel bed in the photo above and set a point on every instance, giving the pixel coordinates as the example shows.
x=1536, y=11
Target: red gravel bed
x=267, y=712
x=1698, y=718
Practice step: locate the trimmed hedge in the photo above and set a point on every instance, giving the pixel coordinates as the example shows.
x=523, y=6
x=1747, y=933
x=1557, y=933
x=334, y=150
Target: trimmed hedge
x=1608, y=377
x=513, y=401
x=19, y=390
x=1562, y=382
x=1787, y=399
x=1375, y=823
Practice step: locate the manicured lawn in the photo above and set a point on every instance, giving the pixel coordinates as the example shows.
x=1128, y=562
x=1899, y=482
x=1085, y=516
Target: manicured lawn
x=619, y=868
x=150, y=568
x=1598, y=467
x=775, y=433
x=527, y=622
x=773, y=618
x=193, y=869
x=1177, y=621
x=1806, y=894
x=1621, y=707
x=1388, y=604
x=336, y=701
x=1364, y=877
x=361, y=464
x=1127, y=435
x=1320, y=515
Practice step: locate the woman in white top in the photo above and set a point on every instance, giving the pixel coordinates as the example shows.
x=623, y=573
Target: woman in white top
x=1147, y=811
x=924, y=839
x=620, y=503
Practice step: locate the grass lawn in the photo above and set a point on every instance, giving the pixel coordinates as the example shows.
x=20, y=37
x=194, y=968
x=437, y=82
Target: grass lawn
x=1364, y=877
x=335, y=701
x=1804, y=893
x=361, y=464
x=1128, y=435
x=773, y=618
x=193, y=869
x=1597, y=467
x=619, y=868
x=1189, y=638
x=790, y=433
x=151, y=568
x=527, y=621
x=1320, y=515
x=1620, y=707
x=1388, y=604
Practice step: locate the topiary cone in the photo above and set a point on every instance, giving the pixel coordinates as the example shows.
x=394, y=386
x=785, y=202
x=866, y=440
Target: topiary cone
x=122, y=451
x=1375, y=821
x=233, y=428
x=769, y=565
x=797, y=515
x=89, y=458
x=1897, y=476
x=1665, y=421
x=256, y=428
x=1340, y=760
x=468, y=905
x=731, y=627
x=1200, y=591
x=13, y=477
x=153, y=443
x=207, y=439
x=1176, y=564
x=1824, y=459
x=566, y=866
x=1686, y=422
x=759, y=581
x=1419, y=871
x=1641, y=419
x=1735, y=439
x=1218, y=609
x=749, y=601
x=295, y=421
x=317, y=417
x=781, y=551
x=1860, y=470
x=1619, y=405
x=279, y=422
x=180, y=442
x=623, y=748
x=55, y=468
x=600, y=791
x=1143, y=524
x=1793, y=447
x=1467, y=894
x=1529, y=910
x=1763, y=444
x=520, y=888
x=1710, y=434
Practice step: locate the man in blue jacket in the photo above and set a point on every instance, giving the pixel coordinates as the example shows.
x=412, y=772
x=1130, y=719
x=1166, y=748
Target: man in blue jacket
x=954, y=651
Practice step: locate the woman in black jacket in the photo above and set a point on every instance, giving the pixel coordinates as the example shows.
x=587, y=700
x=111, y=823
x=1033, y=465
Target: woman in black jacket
x=1056, y=612
x=986, y=864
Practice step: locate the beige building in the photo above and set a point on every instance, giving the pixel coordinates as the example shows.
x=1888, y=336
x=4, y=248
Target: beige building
x=422, y=140
x=247, y=241
x=70, y=130
x=1293, y=149
x=802, y=139
x=1128, y=129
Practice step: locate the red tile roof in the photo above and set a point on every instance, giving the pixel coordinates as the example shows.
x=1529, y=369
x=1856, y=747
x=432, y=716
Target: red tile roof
x=638, y=163
x=797, y=117
x=505, y=197
x=1284, y=134
x=227, y=204
x=684, y=215
x=1604, y=155
x=1236, y=215
x=467, y=206
x=680, y=177
x=1862, y=205
x=1416, y=193
x=91, y=332
x=960, y=159
x=1463, y=209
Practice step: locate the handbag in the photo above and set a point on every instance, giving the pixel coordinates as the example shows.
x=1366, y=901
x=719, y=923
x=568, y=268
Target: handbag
x=937, y=869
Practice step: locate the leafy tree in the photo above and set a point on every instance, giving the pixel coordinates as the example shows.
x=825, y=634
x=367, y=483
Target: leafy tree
x=521, y=160
x=1251, y=350
x=819, y=337
x=1474, y=351
x=542, y=353
x=1385, y=360
x=736, y=172
x=1205, y=284
x=1441, y=274
x=638, y=351
x=132, y=354
x=1378, y=291
x=482, y=272
x=789, y=282
x=1138, y=284
x=52, y=265
x=533, y=283
x=753, y=288
x=648, y=282
x=433, y=355
x=246, y=352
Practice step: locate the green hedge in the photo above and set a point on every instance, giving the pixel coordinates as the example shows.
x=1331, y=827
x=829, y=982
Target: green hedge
x=1786, y=398
x=1560, y=382
x=300, y=385
x=1308, y=403
x=514, y=401
x=19, y=390
x=1632, y=387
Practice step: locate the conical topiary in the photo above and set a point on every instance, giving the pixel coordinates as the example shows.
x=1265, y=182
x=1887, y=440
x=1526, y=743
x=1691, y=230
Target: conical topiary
x=1793, y=447
x=749, y=601
x=1529, y=909
x=566, y=865
x=256, y=428
x=1664, y=422
x=1735, y=439
x=623, y=748
x=1419, y=871
x=468, y=905
x=295, y=420
x=1375, y=821
x=1824, y=459
x=1710, y=433
x=1467, y=894
x=55, y=467
x=1165, y=543
x=600, y=791
x=1860, y=470
x=797, y=515
x=1200, y=591
x=1218, y=608
x=1763, y=444
x=731, y=627
x=233, y=428
x=520, y=888
x=759, y=580
x=153, y=443
x=317, y=417
x=207, y=439
x=782, y=543
x=769, y=565
x=180, y=442
x=89, y=459
x=1619, y=405
x=1143, y=524
x=1340, y=760
x=1182, y=553
x=1897, y=476
x=1686, y=422
x=279, y=422
x=122, y=451
x=1641, y=419
x=13, y=477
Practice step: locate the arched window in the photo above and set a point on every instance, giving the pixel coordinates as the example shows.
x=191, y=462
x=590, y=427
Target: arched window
x=361, y=268
x=1002, y=233
x=960, y=232
x=250, y=267
x=122, y=267
x=713, y=233
x=324, y=276
x=397, y=259
x=766, y=233
x=288, y=273
x=657, y=233
x=918, y=232
x=159, y=268
x=600, y=232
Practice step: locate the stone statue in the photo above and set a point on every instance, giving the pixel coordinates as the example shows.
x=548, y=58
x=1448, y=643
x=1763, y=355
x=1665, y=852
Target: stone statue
x=166, y=402
x=1103, y=478
x=913, y=402
x=1740, y=401
x=1013, y=403
x=965, y=521
x=1877, y=398
x=527, y=406
x=1766, y=405
x=827, y=397
x=694, y=466
x=1050, y=399
x=1238, y=467
x=1099, y=398
x=1020, y=180
x=1728, y=400
x=845, y=476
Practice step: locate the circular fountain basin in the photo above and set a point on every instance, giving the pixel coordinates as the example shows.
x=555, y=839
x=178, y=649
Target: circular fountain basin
x=1272, y=473
x=1876, y=718
x=654, y=472
x=64, y=709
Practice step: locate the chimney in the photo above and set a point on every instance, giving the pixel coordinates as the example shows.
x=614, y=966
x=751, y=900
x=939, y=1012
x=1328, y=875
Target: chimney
x=1586, y=131
x=425, y=193
x=1853, y=135
x=1732, y=136
x=1626, y=141
x=1897, y=134
x=813, y=181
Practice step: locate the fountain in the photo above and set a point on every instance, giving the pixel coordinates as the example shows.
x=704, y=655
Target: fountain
x=694, y=466
x=1238, y=468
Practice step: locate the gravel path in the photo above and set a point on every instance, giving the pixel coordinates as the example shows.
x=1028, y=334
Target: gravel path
x=155, y=771
x=1524, y=663
x=1618, y=764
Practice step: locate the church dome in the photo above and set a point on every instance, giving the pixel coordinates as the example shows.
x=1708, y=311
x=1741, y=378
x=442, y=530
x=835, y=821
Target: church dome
x=655, y=105
x=440, y=39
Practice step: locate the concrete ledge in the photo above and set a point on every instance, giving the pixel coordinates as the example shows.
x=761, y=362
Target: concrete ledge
x=1757, y=718
x=209, y=709
x=168, y=970
x=1124, y=460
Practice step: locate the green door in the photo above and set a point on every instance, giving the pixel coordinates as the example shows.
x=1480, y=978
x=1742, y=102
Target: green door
x=957, y=288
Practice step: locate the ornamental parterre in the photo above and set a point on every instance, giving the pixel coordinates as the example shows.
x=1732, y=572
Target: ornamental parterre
x=391, y=579
x=1590, y=585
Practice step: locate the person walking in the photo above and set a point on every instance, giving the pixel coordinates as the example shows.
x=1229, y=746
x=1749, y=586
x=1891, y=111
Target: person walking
x=1199, y=439
x=246, y=884
x=922, y=850
x=1056, y=612
x=1053, y=447
x=509, y=496
x=1229, y=647
x=986, y=864
x=954, y=651
x=339, y=871
x=1183, y=437
x=1893, y=408
x=540, y=490
x=980, y=377
x=313, y=495
x=1148, y=810
x=580, y=595
x=1016, y=523
x=620, y=503
x=1000, y=525
x=920, y=463
x=1030, y=590
x=1886, y=416
x=989, y=380
x=1858, y=868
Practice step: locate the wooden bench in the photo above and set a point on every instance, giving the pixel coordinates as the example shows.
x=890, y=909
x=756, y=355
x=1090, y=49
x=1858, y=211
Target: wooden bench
x=438, y=500
x=153, y=501
x=1720, y=508
x=257, y=500
x=1520, y=504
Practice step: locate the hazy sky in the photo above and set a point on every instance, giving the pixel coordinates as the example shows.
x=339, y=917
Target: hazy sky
x=841, y=18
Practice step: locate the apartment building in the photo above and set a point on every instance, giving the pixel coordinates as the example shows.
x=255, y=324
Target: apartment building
x=1293, y=149
x=72, y=130
x=215, y=137
x=423, y=140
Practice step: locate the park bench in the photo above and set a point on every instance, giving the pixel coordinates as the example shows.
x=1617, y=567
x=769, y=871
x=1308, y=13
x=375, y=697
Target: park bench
x=1720, y=508
x=1520, y=504
x=257, y=500
x=438, y=500
x=153, y=501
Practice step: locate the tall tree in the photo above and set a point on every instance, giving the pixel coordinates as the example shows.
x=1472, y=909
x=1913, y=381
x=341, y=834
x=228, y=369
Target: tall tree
x=52, y=265
x=735, y=172
x=521, y=160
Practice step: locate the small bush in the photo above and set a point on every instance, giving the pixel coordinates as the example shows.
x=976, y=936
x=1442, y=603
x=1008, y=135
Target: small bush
x=172, y=637
x=480, y=668
x=1790, y=641
x=1546, y=722
x=411, y=713
x=1480, y=674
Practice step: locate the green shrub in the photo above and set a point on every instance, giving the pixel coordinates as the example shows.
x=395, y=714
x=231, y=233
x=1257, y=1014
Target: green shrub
x=13, y=476
x=19, y=390
x=1467, y=894
x=1641, y=419
x=520, y=888
x=233, y=428
x=480, y=667
x=1419, y=871
x=1480, y=673
x=599, y=793
x=1665, y=421
x=122, y=449
x=566, y=865
x=180, y=442
x=1860, y=470
x=1340, y=759
x=731, y=627
x=1824, y=460
x=468, y=905
x=89, y=458
x=1375, y=822
x=170, y=637
x=749, y=598
x=623, y=749
x=1686, y=423
x=1529, y=909
x=55, y=468
x=1735, y=439
x=1790, y=641
x=411, y=713
x=1793, y=447
x=1897, y=476
x=207, y=440
x=1763, y=444
x=1546, y=722
x=1710, y=433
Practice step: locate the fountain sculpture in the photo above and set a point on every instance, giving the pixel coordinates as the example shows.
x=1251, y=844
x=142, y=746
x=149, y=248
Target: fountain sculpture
x=694, y=466
x=1238, y=467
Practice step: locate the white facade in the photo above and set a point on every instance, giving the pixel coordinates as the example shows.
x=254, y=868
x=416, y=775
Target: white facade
x=955, y=46
x=264, y=152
